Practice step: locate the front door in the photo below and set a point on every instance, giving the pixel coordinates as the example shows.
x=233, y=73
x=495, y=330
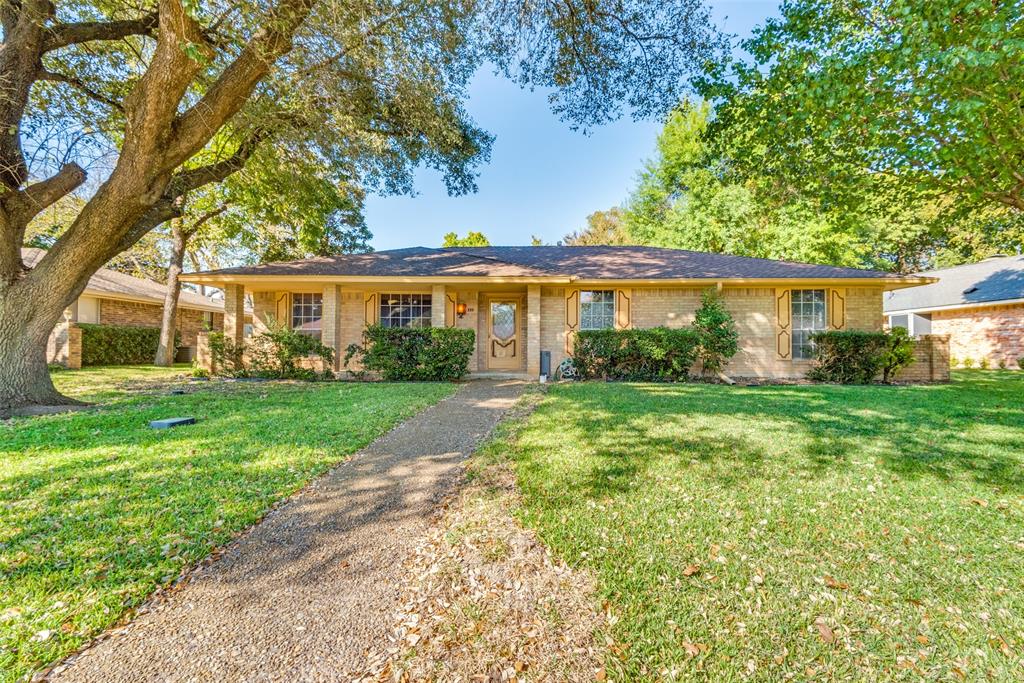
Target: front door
x=503, y=334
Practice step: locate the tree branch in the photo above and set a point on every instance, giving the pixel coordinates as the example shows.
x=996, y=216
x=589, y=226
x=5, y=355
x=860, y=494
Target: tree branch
x=63, y=35
x=21, y=206
x=231, y=90
x=45, y=75
x=171, y=204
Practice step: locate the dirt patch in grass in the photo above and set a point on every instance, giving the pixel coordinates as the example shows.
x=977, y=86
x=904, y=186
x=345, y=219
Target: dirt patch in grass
x=486, y=601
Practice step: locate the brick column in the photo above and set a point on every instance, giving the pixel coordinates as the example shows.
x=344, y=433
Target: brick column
x=74, y=357
x=331, y=323
x=204, y=356
x=533, y=331
x=437, y=304
x=234, y=313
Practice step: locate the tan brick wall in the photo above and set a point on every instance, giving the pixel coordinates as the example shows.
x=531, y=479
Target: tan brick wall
x=552, y=323
x=469, y=321
x=234, y=312
x=993, y=333
x=135, y=314
x=931, y=360
x=130, y=313
x=753, y=308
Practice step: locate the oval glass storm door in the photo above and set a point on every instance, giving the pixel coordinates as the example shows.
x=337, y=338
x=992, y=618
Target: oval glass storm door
x=503, y=335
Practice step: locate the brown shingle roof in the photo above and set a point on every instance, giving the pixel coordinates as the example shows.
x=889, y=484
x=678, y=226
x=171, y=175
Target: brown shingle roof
x=655, y=263
x=118, y=285
x=589, y=263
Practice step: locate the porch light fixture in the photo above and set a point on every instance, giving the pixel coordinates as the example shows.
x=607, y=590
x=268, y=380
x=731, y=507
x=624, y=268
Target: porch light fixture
x=460, y=309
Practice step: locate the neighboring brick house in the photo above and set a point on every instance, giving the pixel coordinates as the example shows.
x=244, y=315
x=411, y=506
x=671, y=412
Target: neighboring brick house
x=526, y=303
x=979, y=305
x=113, y=298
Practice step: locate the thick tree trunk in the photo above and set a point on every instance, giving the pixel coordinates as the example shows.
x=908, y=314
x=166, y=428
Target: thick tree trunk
x=24, y=375
x=165, y=350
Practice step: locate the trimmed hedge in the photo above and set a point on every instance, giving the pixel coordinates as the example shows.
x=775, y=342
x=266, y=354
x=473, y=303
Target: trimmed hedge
x=120, y=344
x=856, y=357
x=419, y=354
x=654, y=354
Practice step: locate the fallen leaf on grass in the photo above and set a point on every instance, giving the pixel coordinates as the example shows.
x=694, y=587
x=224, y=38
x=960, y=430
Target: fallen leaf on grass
x=694, y=649
x=832, y=583
x=825, y=631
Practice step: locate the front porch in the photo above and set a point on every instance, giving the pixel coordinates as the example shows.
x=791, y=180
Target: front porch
x=505, y=317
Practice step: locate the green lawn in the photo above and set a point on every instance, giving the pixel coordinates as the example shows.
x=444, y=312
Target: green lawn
x=835, y=533
x=97, y=509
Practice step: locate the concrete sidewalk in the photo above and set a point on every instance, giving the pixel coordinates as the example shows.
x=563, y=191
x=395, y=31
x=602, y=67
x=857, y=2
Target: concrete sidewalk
x=305, y=594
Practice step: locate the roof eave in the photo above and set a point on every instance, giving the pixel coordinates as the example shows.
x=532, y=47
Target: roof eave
x=230, y=279
x=888, y=283
x=955, y=306
x=212, y=307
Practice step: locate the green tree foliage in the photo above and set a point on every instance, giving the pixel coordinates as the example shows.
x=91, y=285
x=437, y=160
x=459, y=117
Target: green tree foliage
x=686, y=198
x=603, y=227
x=472, y=239
x=694, y=194
x=925, y=93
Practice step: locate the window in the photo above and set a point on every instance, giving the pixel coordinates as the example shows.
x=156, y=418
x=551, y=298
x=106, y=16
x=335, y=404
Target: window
x=405, y=310
x=899, y=321
x=808, y=308
x=597, y=310
x=915, y=324
x=307, y=312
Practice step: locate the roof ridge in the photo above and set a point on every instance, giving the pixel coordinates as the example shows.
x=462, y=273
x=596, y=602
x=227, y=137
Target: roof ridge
x=456, y=250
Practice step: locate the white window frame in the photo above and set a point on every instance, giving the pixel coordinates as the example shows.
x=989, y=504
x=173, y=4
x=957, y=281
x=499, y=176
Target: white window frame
x=419, y=304
x=800, y=331
x=309, y=319
x=608, y=314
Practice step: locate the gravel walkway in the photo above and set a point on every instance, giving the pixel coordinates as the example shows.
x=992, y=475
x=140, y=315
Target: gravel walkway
x=304, y=595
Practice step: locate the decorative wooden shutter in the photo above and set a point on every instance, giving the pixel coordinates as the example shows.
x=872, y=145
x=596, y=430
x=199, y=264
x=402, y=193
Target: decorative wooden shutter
x=370, y=309
x=783, y=324
x=837, y=309
x=572, y=317
x=622, y=314
x=449, y=310
x=282, y=309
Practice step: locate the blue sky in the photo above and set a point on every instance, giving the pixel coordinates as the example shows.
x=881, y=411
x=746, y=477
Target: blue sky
x=543, y=178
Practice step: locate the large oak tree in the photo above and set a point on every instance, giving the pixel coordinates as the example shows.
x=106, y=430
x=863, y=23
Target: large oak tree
x=141, y=88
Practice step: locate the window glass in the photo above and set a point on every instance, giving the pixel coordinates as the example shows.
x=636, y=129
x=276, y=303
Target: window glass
x=405, y=310
x=899, y=321
x=808, y=310
x=922, y=323
x=307, y=313
x=597, y=309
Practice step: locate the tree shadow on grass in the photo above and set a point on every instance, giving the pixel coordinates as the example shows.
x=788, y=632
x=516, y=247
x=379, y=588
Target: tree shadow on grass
x=972, y=428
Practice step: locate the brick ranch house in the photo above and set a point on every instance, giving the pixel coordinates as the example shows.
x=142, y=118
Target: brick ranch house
x=980, y=306
x=113, y=298
x=524, y=301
